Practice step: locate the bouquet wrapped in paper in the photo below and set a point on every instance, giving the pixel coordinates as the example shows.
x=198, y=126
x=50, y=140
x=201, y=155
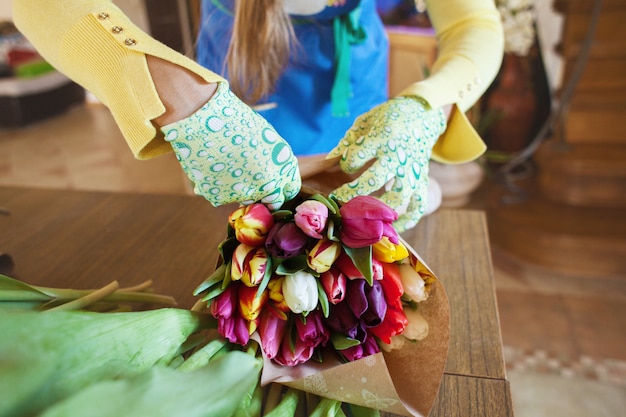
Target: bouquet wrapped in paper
x=340, y=305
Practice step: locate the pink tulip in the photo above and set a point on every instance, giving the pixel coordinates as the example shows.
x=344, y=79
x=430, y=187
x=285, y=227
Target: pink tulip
x=334, y=284
x=249, y=264
x=321, y=257
x=365, y=220
x=289, y=355
x=311, y=217
x=251, y=224
x=224, y=304
x=271, y=331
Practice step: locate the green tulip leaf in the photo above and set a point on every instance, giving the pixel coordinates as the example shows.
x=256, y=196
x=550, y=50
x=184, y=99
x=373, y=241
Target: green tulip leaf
x=290, y=266
x=322, y=199
x=323, y=299
x=362, y=259
x=215, y=278
x=279, y=215
x=341, y=342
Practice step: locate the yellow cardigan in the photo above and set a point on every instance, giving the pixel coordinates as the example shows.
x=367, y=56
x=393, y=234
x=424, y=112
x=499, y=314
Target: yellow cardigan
x=471, y=45
x=470, y=51
x=113, y=68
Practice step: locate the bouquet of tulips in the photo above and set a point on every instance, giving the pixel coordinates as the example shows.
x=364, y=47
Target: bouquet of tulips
x=340, y=306
x=316, y=276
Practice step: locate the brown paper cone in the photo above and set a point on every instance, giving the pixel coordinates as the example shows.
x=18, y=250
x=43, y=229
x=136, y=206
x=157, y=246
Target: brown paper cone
x=404, y=381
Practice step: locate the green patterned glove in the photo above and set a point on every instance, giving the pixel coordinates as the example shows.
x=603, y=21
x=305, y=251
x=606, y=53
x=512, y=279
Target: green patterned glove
x=232, y=154
x=399, y=134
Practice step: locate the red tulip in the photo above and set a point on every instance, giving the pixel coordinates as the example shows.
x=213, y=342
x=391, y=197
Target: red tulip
x=334, y=284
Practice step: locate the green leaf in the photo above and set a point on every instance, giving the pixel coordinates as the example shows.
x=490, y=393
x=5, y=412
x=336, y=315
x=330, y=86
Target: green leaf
x=328, y=203
x=212, y=391
x=287, y=405
x=341, y=342
x=362, y=259
x=266, y=278
x=216, y=277
x=290, y=266
x=323, y=298
x=227, y=247
x=279, y=215
x=47, y=356
x=360, y=411
x=13, y=290
x=328, y=408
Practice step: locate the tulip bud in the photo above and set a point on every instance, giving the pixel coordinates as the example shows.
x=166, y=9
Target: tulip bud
x=289, y=355
x=334, y=284
x=321, y=257
x=271, y=331
x=250, y=304
x=300, y=292
x=386, y=251
x=249, y=264
x=286, y=240
x=275, y=288
x=311, y=217
x=417, y=327
x=311, y=330
x=413, y=284
x=251, y=224
x=365, y=220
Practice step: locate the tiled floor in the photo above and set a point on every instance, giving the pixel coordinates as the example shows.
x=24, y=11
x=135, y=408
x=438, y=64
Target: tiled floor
x=568, y=331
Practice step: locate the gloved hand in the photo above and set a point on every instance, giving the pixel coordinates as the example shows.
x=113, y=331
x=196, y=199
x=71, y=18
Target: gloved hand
x=399, y=134
x=232, y=154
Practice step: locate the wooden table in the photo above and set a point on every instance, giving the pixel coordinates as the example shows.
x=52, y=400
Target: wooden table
x=87, y=239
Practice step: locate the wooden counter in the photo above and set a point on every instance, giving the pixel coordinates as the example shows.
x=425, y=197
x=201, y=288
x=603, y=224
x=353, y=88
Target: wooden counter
x=88, y=239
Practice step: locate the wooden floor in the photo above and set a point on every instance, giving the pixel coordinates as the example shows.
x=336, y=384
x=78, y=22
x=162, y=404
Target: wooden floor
x=568, y=317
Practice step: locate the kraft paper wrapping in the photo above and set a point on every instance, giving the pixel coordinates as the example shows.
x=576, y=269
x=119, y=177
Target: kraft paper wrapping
x=404, y=381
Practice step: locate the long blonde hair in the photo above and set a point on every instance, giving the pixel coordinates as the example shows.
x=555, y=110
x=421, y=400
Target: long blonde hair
x=259, y=48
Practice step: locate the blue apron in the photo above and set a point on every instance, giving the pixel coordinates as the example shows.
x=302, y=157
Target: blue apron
x=319, y=96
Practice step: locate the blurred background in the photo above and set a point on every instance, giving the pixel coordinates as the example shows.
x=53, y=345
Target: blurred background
x=552, y=184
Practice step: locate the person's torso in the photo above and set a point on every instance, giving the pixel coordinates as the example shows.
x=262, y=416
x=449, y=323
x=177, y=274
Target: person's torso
x=300, y=107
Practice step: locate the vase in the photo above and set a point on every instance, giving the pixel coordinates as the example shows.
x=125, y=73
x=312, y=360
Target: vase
x=513, y=104
x=457, y=182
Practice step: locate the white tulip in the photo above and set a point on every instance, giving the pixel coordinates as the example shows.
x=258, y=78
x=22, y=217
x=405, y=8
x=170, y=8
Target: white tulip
x=413, y=284
x=300, y=292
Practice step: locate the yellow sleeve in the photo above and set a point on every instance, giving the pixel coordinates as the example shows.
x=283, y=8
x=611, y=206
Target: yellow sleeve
x=95, y=44
x=471, y=45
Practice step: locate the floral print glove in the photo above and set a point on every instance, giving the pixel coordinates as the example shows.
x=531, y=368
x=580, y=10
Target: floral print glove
x=399, y=134
x=232, y=154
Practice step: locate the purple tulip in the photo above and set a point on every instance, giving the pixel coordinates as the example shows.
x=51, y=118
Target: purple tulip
x=367, y=302
x=366, y=348
x=286, y=240
x=342, y=320
x=271, y=330
x=311, y=329
x=365, y=220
